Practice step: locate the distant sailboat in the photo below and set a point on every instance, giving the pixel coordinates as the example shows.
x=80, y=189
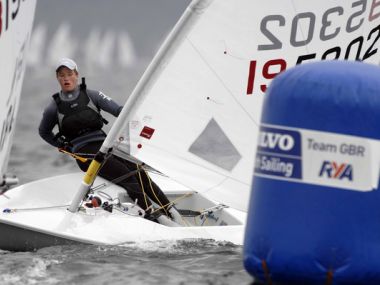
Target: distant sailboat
x=193, y=117
x=16, y=21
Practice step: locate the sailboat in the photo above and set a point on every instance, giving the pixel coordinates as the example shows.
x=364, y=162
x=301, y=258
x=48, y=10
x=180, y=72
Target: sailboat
x=16, y=21
x=193, y=119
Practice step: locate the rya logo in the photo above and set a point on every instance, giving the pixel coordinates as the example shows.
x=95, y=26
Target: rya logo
x=332, y=169
x=271, y=140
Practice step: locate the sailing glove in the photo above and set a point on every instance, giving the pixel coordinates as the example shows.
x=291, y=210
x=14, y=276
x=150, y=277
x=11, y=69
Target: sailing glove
x=64, y=144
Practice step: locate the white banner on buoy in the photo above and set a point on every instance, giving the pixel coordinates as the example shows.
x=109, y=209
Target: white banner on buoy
x=315, y=157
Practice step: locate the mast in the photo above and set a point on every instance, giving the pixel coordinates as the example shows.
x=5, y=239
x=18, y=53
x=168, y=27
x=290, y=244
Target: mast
x=188, y=18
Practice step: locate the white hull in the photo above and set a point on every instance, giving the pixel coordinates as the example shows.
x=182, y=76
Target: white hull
x=33, y=222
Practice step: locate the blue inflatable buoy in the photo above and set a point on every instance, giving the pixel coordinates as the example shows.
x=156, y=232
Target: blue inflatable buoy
x=314, y=215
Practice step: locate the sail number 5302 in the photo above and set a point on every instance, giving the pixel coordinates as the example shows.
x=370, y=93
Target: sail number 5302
x=330, y=24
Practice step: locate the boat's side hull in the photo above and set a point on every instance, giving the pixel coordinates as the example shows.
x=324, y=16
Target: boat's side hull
x=35, y=215
x=16, y=238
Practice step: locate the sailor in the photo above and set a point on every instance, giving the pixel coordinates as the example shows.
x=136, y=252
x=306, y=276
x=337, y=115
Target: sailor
x=76, y=111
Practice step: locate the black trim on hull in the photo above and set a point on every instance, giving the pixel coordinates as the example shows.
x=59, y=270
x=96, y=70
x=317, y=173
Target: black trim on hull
x=14, y=238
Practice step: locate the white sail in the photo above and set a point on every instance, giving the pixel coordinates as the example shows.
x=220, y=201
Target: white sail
x=16, y=21
x=194, y=114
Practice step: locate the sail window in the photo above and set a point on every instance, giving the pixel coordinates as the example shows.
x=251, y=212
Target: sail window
x=214, y=146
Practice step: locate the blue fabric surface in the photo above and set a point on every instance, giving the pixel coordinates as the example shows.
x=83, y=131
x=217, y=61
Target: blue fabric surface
x=300, y=233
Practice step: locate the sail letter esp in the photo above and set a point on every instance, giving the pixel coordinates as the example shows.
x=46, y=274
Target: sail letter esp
x=309, y=229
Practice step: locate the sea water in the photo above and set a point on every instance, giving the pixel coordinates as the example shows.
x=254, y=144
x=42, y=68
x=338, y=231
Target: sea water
x=174, y=262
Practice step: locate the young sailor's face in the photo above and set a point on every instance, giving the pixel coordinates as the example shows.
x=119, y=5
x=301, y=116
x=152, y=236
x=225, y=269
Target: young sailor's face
x=67, y=78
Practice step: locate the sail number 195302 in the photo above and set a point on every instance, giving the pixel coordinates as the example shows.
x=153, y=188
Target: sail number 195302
x=354, y=50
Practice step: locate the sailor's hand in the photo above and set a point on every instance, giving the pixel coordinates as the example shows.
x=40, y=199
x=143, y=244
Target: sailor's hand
x=63, y=144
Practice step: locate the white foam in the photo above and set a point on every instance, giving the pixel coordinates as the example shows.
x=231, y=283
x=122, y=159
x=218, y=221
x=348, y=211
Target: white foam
x=173, y=246
x=32, y=274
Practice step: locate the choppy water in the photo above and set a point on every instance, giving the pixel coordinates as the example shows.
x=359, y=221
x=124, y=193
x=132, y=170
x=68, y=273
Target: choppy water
x=182, y=262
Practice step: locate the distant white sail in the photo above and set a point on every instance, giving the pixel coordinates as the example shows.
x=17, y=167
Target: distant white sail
x=16, y=21
x=60, y=46
x=36, y=51
x=194, y=115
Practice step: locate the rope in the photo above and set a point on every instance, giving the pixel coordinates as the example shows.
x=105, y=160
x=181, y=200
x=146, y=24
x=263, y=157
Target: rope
x=138, y=170
x=174, y=201
x=142, y=186
x=115, y=181
x=81, y=159
x=8, y=210
x=89, y=155
x=154, y=193
x=121, y=178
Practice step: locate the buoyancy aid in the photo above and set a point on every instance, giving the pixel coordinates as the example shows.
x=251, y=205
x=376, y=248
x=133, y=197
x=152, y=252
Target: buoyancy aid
x=79, y=116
